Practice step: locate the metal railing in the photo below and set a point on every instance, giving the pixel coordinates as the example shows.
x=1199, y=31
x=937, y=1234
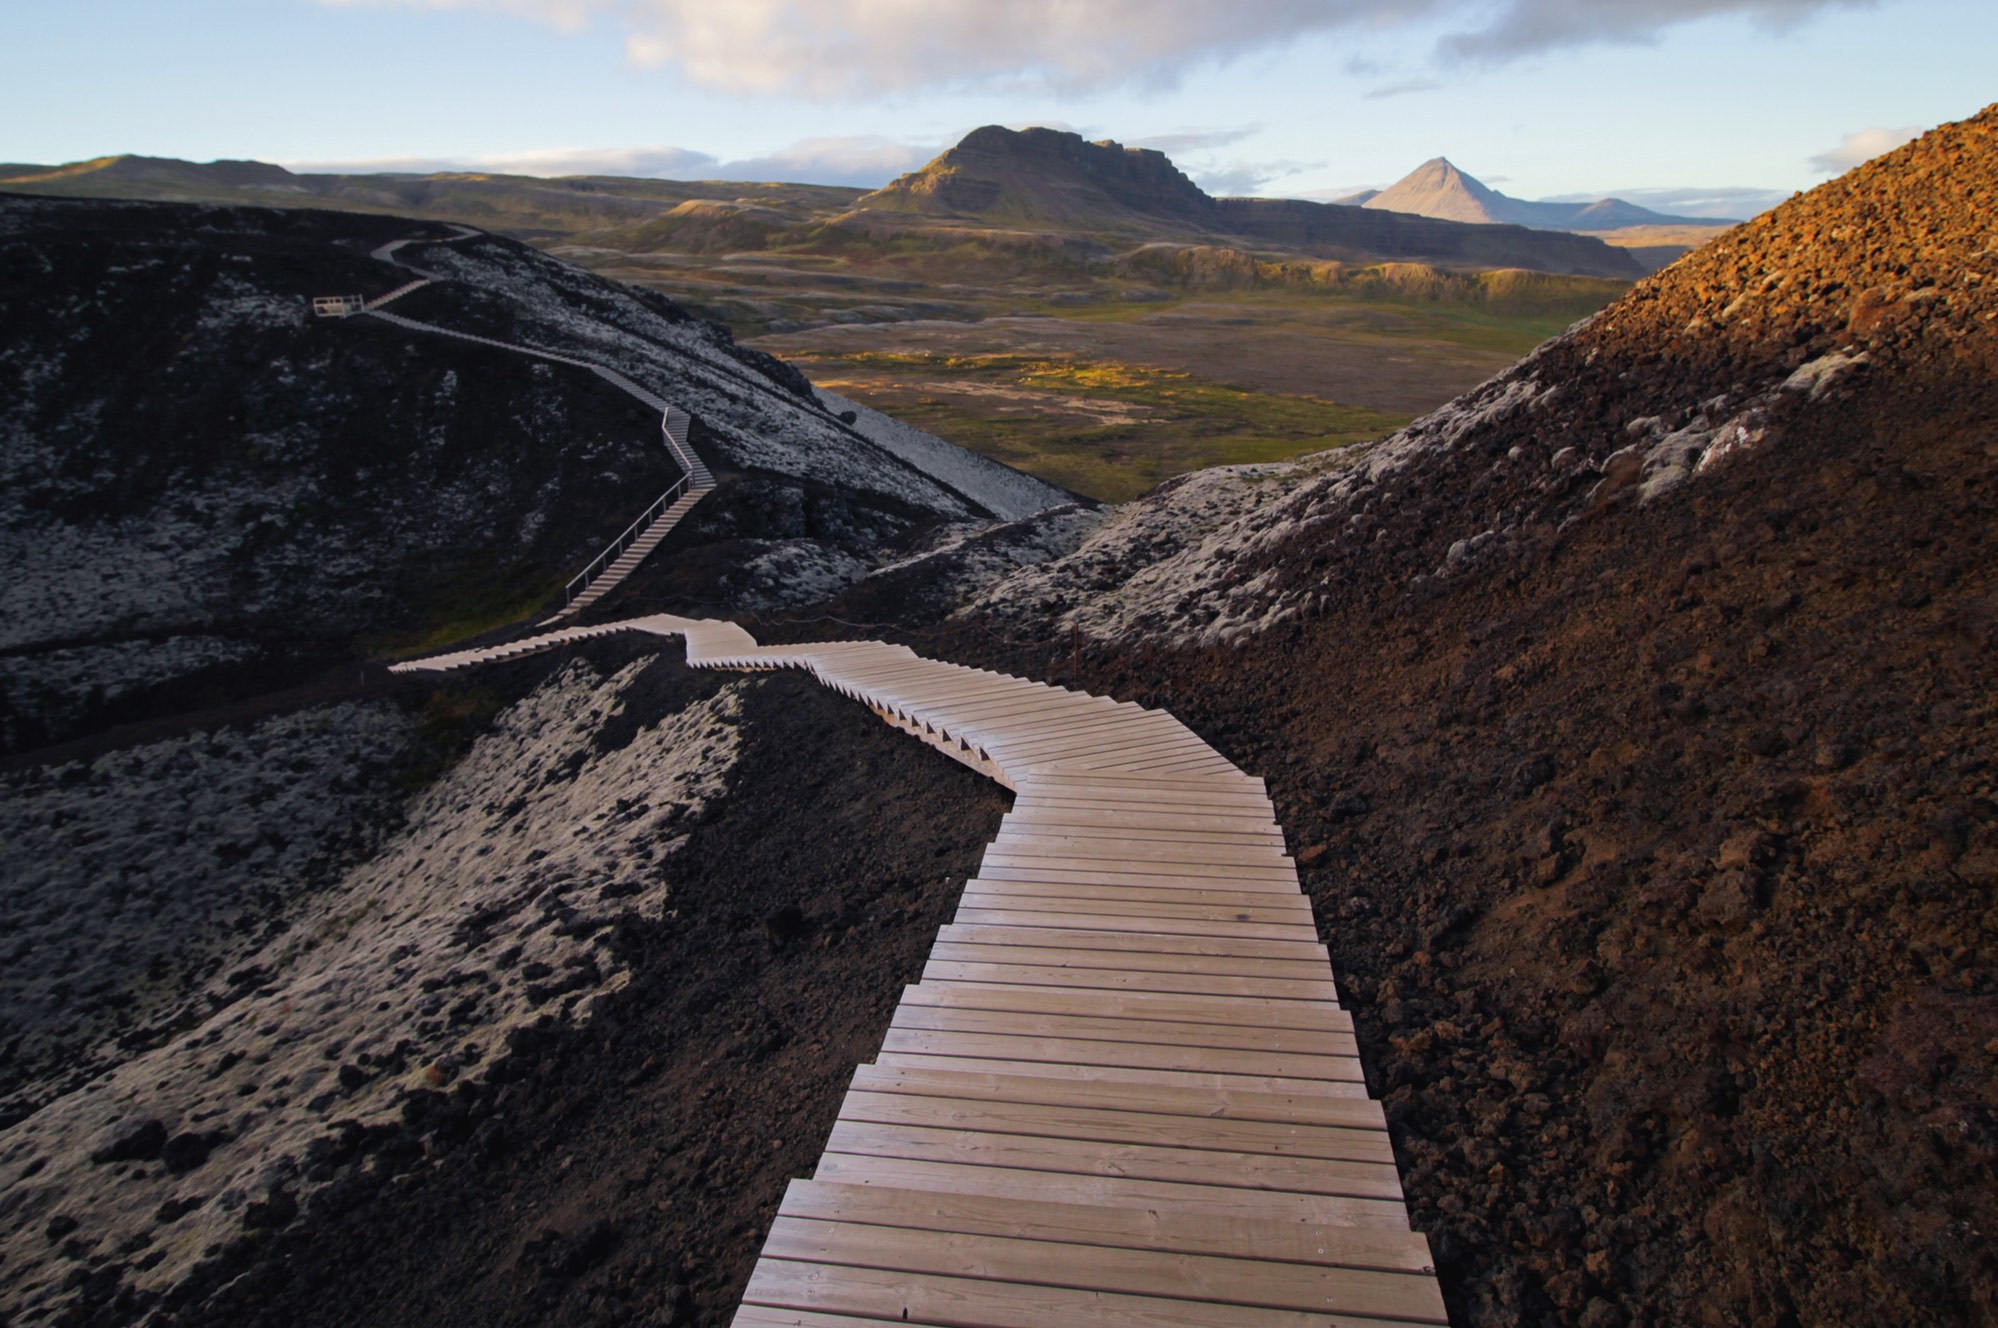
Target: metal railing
x=581, y=581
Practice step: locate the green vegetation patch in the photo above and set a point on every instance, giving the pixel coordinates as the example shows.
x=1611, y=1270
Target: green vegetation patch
x=470, y=604
x=1109, y=431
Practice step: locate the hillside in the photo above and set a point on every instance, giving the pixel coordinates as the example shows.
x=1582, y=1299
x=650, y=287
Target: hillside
x=1634, y=715
x=206, y=485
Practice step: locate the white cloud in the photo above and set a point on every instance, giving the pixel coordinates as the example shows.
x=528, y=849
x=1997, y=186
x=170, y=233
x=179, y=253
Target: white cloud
x=655, y=162
x=1863, y=146
x=1526, y=27
x=1183, y=141
x=863, y=162
x=564, y=15
x=1245, y=179
x=1726, y=203
x=1404, y=87
x=848, y=49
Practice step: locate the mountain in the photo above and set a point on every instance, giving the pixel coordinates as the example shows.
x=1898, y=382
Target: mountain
x=1438, y=189
x=1053, y=178
x=1041, y=192
x=1045, y=176
x=529, y=207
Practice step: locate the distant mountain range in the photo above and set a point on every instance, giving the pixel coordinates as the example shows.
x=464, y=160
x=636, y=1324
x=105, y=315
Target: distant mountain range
x=1050, y=178
x=1438, y=189
x=1100, y=196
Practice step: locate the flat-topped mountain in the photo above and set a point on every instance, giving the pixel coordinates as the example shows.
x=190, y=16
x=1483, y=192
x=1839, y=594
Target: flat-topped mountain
x=1439, y=189
x=1046, y=175
x=1052, y=178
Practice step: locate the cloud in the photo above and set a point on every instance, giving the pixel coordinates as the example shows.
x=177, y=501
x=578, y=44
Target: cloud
x=656, y=162
x=832, y=50
x=865, y=162
x=1528, y=27
x=1404, y=88
x=563, y=15
x=1246, y=179
x=1862, y=147
x=1726, y=203
x=1186, y=141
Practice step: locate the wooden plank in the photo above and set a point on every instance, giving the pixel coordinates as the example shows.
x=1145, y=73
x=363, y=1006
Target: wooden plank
x=1232, y=1282
x=1121, y=878
x=1082, y=918
x=1162, y=801
x=1309, y=951
x=771, y=1316
x=1310, y=1107
x=878, y=673
x=1237, y=784
x=991, y=710
x=1128, y=1055
x=1229, y=1011
x=1078, y=868
x=1191, y=802
x=900, y=1297
x=1123, y=1074
x=1068, y=903
x=1257, y=843
x=1252, y=1171
x=1183, y=1036
x=1193, y=893
x=1264, y=870
x=1021, y=949
x=1134, y=747
x=1039, y=812
x=1134, y=846
x=1254, y=830
x=1115, y=1227
x=1077, y=751
x=1098, y=1125
x=1225, y=1203
x=1108, y=979
x=942, y=690
x=1166, y=874
x=1094, y=711
x=1131, y=736
x=1167, y=767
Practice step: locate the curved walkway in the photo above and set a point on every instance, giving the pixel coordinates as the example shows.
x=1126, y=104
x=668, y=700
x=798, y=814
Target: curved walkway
x=629, y=549
x=1124, y=1092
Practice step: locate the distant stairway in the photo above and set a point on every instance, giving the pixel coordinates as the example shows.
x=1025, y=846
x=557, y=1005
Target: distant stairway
x=624, y=554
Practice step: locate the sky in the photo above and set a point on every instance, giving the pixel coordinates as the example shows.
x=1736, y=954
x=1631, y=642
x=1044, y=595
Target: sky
x=1705, y=107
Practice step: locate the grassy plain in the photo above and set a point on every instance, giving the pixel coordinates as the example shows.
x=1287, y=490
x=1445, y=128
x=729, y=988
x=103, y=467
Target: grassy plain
x=1109, y=431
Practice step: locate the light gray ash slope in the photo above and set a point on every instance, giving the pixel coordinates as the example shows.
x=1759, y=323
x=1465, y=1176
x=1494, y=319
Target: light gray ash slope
x=494, y=907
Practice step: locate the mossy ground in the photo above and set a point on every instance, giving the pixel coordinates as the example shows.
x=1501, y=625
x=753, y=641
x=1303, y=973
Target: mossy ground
x=1159, y=423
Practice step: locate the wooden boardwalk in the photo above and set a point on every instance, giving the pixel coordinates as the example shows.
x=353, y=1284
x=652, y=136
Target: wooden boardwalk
x=1124, y=1092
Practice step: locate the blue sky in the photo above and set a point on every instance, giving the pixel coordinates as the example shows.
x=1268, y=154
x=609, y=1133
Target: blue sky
x=1729, y=101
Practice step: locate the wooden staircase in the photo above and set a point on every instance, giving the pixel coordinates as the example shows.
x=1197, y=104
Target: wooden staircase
x=1124, y=1092
x=628, y=550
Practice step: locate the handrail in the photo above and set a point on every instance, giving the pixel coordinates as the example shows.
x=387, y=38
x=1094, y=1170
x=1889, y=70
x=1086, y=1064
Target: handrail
x=622, y=542
x=695, y=478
